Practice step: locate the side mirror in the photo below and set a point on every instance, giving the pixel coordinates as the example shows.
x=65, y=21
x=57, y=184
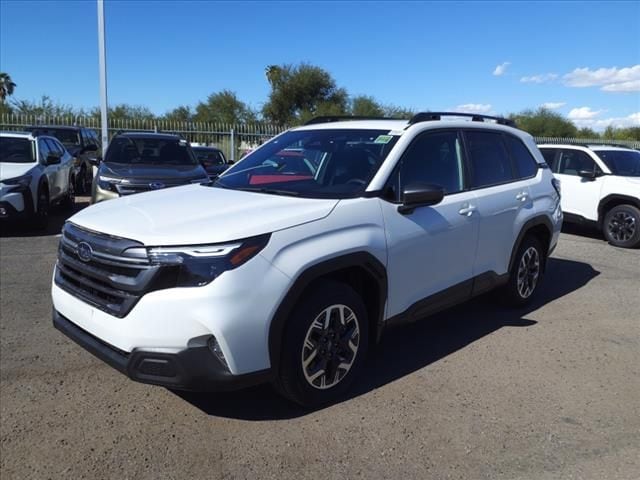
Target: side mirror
x=94, y=161
x=417, y=195
x=52, y=159
x=588, y=174
x=90, y=148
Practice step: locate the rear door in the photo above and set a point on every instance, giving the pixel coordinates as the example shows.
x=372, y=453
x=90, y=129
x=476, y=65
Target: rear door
x=503, y=198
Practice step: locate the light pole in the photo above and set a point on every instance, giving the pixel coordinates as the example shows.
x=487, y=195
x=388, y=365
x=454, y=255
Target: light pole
x=102, y=55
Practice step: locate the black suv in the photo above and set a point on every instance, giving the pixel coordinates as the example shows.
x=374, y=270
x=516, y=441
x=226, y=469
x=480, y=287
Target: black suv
x=83, y=144
x=212, y=159
x=137, y=162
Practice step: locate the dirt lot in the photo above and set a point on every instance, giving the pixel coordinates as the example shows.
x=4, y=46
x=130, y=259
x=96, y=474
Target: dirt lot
x=551, y=391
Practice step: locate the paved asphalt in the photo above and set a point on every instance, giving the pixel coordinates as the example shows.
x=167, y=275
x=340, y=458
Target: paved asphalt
x=480, y=392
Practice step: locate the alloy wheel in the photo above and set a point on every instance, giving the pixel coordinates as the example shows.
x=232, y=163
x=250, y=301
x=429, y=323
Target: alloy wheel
x=330, y=346
x=528, y=272
x=622, y=226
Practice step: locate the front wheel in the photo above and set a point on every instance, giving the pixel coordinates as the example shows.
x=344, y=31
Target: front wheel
x=622, y=226
x=42, y=208
x=325, y=345
x=70, y=198
x=526, y=272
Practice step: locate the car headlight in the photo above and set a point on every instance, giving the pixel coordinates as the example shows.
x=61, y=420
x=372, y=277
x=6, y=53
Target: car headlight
x=23, y=181
x=198, y=265
x=109, y=183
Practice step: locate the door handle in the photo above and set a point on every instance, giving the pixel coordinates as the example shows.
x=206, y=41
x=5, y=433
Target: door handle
x=522, y=196
x=467, y=210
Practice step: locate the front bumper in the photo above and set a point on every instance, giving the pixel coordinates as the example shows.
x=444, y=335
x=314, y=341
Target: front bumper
x=16, y=202
x=194, y=368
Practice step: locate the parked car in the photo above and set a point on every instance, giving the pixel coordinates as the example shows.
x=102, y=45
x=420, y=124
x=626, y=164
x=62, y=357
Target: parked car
x=83, y=144
x=212, y=159
x=35, y=173
x=139, y=162
x=297, y=279
x=601, y=187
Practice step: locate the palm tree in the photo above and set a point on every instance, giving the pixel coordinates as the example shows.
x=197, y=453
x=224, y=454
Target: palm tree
x=6, y=86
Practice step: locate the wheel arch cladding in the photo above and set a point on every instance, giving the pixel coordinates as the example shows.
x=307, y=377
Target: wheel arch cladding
x=360, y=270
x=541, y=227
x=610, y=201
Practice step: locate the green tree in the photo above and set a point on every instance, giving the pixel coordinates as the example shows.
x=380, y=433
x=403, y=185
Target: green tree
x=613, y=133
x=588, y=133
x=544, y=123
x=224, y=107
x=393, y=111
x=302, y=92
x=366, y=106
x=179, y=114
x=45, y=107
x=7, y=86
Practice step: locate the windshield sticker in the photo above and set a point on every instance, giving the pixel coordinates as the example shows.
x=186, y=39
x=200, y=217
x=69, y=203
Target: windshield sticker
x=383, y=139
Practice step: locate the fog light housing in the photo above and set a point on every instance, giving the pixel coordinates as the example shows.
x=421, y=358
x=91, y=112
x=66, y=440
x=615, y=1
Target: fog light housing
x=214, y=347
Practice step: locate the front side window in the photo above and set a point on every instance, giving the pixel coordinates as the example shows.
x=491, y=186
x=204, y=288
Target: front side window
x=150, y=151
x=550, y=156
x=621, y=162
x=489, y=159
x=571, y=162
x=323, y=163
x=44, y=150
x=433, y=158
x=16, y=150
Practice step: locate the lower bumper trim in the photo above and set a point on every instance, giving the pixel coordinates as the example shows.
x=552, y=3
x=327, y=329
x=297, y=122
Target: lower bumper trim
x=195, y=369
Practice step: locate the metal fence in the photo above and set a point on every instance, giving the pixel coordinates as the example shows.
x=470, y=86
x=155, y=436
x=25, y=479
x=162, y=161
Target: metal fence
x=233, y=140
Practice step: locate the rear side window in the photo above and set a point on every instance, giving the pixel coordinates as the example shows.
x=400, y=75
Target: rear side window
x=549, y=155
x=526, y=165
x=489, y=159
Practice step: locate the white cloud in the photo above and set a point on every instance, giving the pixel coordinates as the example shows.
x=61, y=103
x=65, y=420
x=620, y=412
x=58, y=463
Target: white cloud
x=501, y=69
x=553, y=105
x=612, y=79
x=474, y=108
x=632, y=120
x=542, y=78
x=583, y=113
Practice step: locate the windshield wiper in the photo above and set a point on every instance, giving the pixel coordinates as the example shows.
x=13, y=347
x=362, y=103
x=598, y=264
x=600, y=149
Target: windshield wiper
x=273, y=191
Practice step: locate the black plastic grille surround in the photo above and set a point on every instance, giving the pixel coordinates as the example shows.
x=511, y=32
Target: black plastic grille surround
x=112, y=279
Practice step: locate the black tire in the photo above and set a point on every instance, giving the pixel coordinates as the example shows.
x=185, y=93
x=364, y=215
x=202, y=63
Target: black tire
x=42, y=208
x=84, y=180
x=621, y=226
x=69, y=200
x=303, y=336
x=526, y=272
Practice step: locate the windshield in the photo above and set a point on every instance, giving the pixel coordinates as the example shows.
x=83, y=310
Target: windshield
x=312, y=163
x=209, y=156
x=69, y=138
x=150, y=151
x=16, y=150
x=621, y=162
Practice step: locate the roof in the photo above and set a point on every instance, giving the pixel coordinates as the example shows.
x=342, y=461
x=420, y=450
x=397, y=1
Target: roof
x=28, y=135
x=595, y=148
x=205, y=147
x=158, y=135
x=55, y=127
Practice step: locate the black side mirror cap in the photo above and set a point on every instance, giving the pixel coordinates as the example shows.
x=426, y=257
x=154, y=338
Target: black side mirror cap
x=417, y=195
x=588, y=174
x=53, y=159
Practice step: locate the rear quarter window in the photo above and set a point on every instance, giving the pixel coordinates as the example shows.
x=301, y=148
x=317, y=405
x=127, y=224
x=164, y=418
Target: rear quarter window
x=526, y=165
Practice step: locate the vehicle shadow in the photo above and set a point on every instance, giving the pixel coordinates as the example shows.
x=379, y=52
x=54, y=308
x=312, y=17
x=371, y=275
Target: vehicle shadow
x=409, y=348
x=57, y=217
x=588, y=231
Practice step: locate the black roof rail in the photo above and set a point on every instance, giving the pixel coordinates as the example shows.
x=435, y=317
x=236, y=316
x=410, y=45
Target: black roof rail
x=340, y=118
x=475, y=117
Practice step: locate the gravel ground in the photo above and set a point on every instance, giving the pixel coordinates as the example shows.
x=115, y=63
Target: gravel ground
x=547, y=392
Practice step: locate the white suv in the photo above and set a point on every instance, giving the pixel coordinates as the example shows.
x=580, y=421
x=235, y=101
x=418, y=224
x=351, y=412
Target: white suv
x=290, y=266
x=35, y=172
x=600, y=185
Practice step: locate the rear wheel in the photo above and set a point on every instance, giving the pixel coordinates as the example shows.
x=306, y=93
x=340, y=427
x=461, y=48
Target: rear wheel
x=325, y=345
x=42, y=208
x=526, y=272
x=622, y=226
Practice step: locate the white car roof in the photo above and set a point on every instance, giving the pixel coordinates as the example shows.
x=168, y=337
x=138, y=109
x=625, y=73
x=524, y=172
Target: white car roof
x=595, y=148
x=27, y=135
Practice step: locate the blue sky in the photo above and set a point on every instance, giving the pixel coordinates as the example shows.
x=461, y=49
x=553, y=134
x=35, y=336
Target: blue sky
x=581, y=58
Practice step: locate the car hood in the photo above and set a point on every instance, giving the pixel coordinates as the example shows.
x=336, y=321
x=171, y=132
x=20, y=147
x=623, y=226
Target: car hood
x=198, y=214
x=13, y=170
x=152, y=172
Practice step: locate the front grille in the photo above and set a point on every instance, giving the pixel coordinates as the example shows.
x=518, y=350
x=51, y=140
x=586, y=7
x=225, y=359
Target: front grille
x=139, y=187
x=113, y=279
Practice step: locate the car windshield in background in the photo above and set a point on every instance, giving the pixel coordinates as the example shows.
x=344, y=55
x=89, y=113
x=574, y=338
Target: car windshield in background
x=16, y=150
x=149, y=151
x=621, y=162
x=69, y=138
x=312, y=163
x=209, y=156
